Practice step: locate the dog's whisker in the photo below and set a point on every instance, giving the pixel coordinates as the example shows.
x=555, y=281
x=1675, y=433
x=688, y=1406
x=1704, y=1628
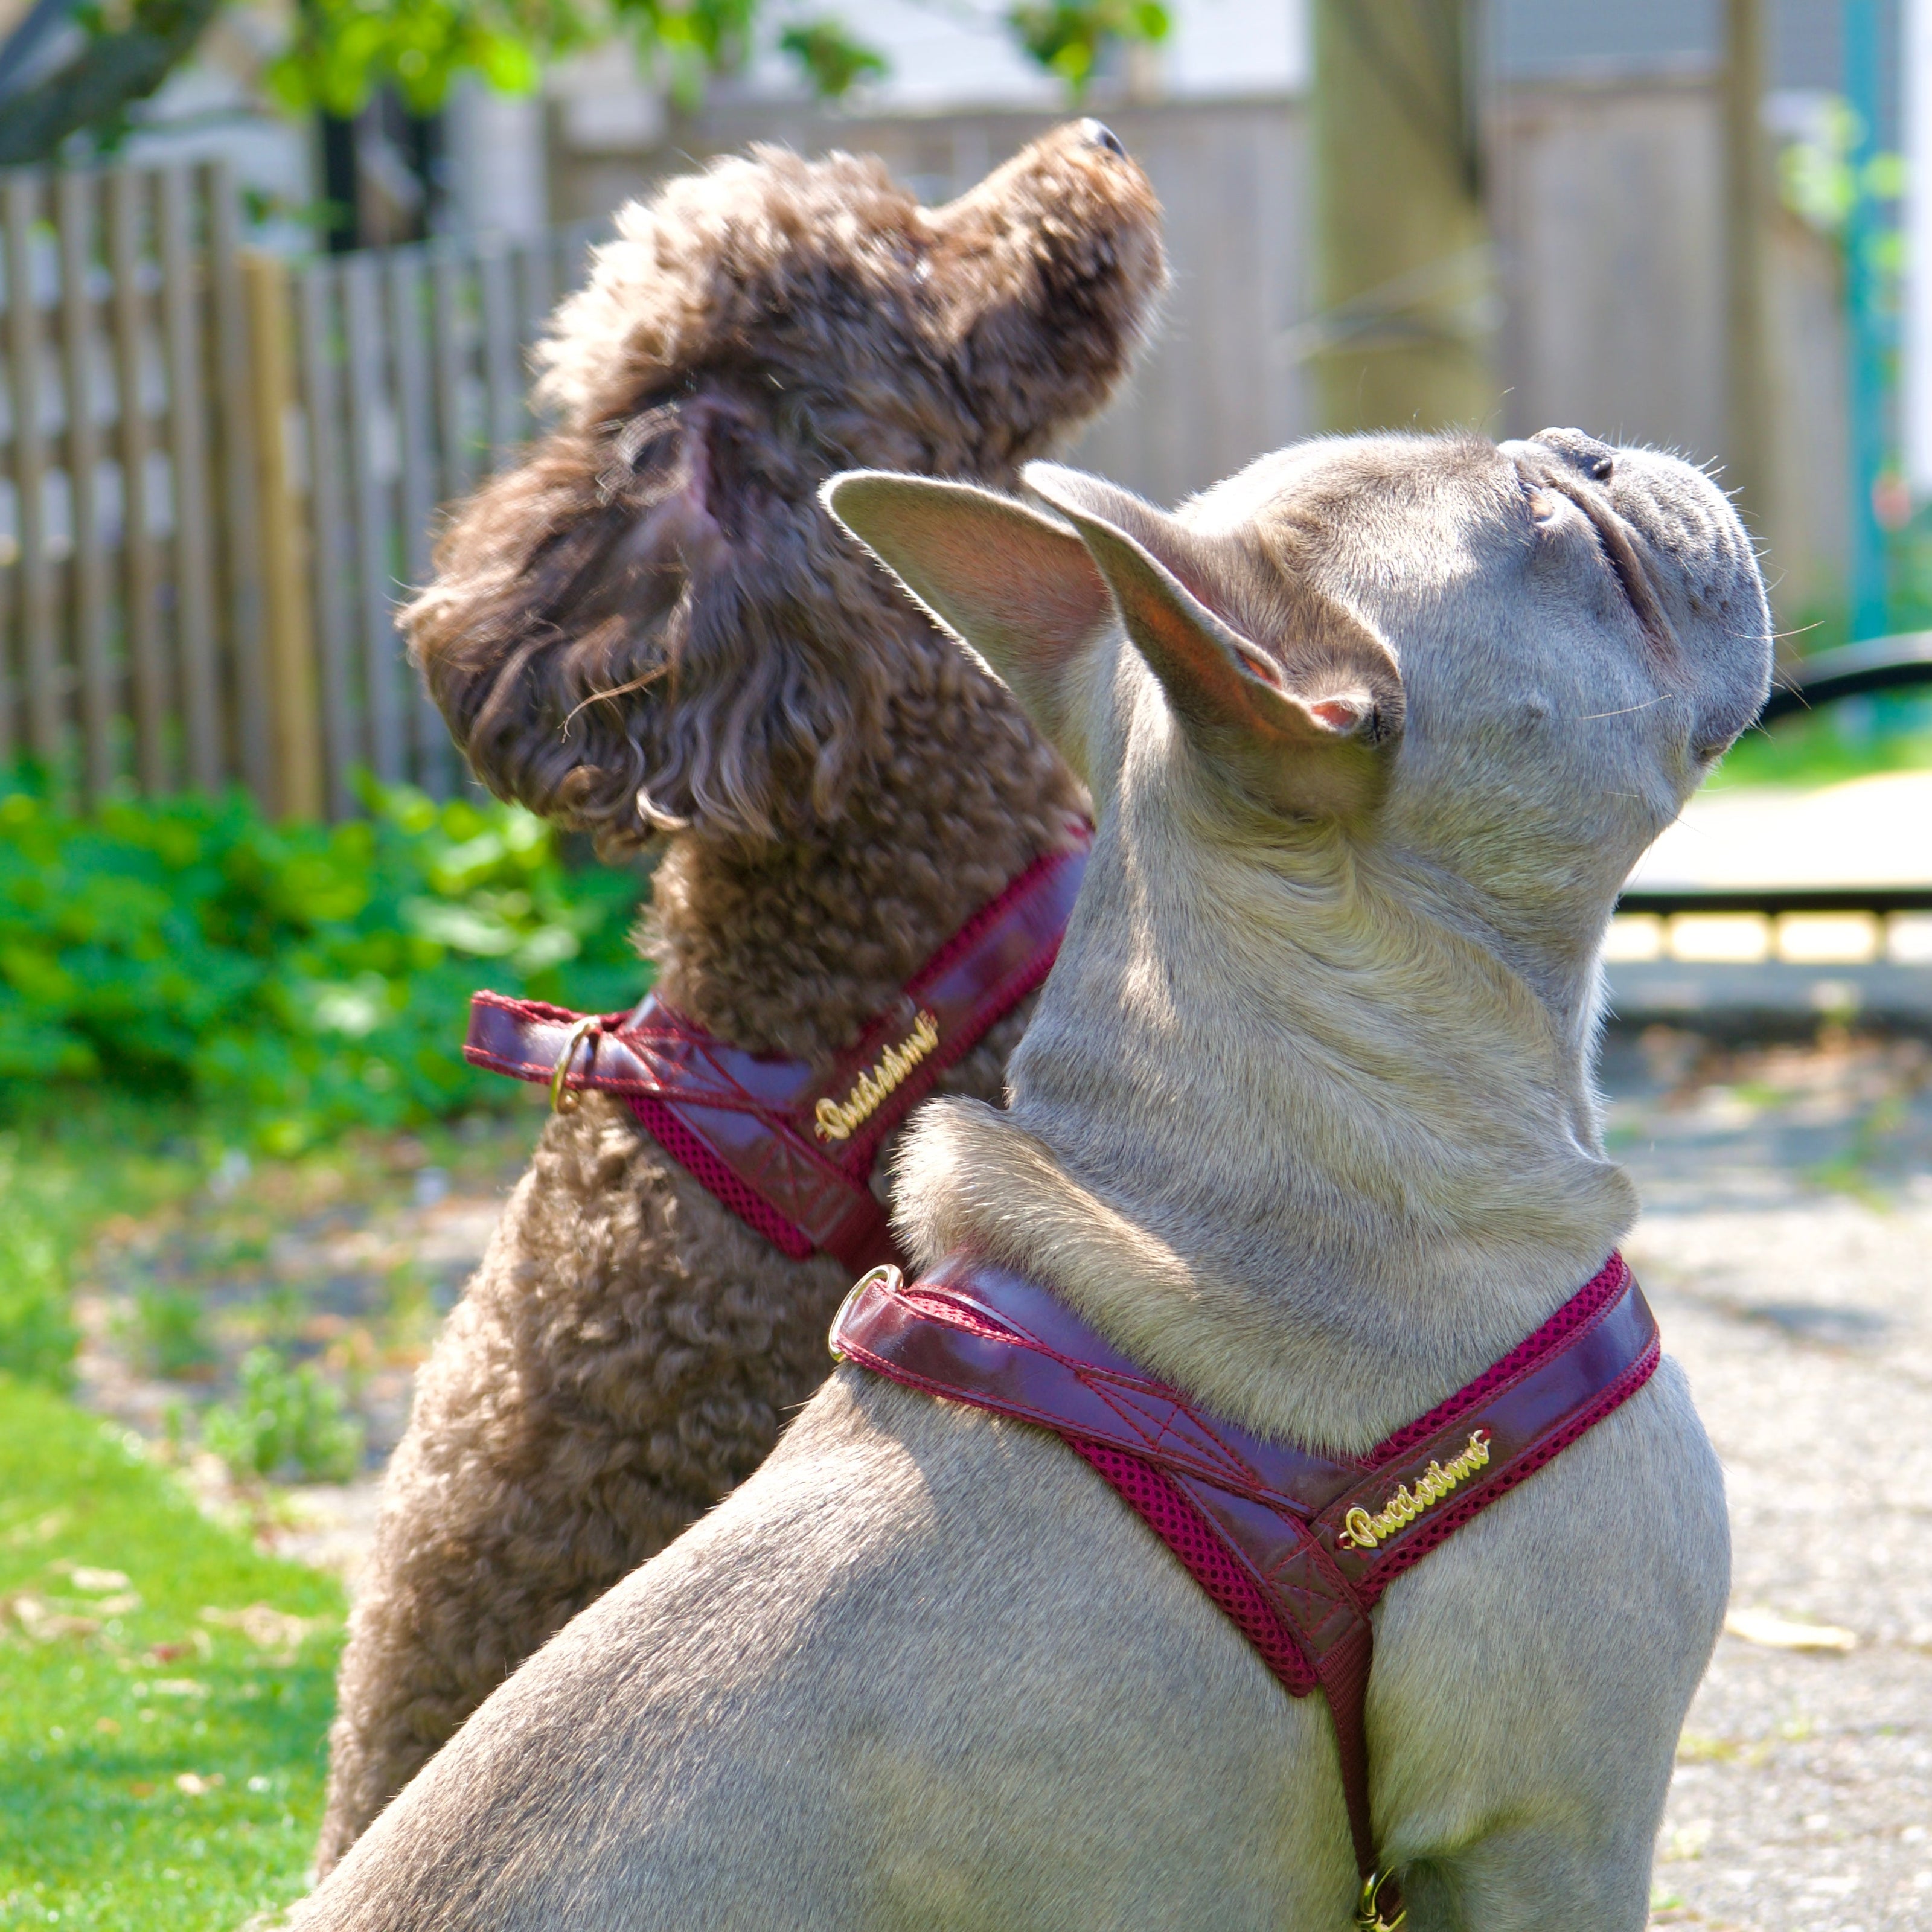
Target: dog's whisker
x=1591, y=717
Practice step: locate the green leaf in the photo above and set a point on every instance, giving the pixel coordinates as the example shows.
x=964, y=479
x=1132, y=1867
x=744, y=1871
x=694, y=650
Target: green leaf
x=1070, y=38
x=829, y=58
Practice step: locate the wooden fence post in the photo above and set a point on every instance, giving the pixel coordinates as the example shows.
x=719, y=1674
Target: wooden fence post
x=1751, y=399
x=294, y=712
x=198, y=657
x=241, y=545
x=76, y=196
x=40, y=656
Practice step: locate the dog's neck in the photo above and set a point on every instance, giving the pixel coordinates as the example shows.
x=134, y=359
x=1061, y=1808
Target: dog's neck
x=1287, y=1133
x=792, y=946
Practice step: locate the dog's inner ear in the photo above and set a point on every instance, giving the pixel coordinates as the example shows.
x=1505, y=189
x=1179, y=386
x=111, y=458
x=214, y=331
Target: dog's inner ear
x=1020, y=589
x=1297, y=721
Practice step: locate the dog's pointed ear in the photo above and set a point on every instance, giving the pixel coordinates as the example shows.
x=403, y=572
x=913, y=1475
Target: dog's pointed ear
x=1297, y=719
x=1020, y=589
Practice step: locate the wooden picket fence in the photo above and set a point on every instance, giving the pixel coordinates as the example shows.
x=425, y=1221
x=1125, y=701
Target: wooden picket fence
x=219, y=473
x=128, y=526
x=413, y=384
x=198, y=586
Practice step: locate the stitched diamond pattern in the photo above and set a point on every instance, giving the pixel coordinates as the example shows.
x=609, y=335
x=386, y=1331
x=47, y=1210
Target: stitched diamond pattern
x=1309, y=1596
x=787, y=1177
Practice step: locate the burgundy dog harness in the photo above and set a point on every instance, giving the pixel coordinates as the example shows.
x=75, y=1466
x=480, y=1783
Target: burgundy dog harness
x=1294, y=1547
x=789, y=1149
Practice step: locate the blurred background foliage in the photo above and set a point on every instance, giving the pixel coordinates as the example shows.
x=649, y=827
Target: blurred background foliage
x=182, y=982
x=289, y=980
x=78, y=68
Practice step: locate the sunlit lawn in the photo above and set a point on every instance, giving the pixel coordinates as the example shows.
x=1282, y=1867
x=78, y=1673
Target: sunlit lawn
x=165, y=1687
x=1891, y=732
x=165, y=1690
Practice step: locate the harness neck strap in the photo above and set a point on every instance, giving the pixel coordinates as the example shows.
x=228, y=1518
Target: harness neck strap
x=1293, y=1547
x=788, y=1147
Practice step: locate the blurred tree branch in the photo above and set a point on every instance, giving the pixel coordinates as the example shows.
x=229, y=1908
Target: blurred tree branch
x=114, y=67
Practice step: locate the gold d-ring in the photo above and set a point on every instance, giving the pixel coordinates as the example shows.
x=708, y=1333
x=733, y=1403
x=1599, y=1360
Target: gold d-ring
x=1368, y=1912
x=886, y=1272
x=563, y=1099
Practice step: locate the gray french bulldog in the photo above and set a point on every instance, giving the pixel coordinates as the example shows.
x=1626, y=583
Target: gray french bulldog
x=1304, y=1124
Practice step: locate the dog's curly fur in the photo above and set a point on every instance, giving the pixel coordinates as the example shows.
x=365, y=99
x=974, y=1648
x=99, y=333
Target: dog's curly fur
x=650, y=631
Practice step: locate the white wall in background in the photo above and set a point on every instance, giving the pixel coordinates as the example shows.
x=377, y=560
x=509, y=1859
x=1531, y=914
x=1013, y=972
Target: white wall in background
x=212, y=108
x=1237, y=47
x=499, y=181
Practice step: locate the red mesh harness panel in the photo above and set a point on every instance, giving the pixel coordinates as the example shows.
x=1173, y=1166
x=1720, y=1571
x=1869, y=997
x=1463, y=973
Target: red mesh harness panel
x=1294, y=1547
x=787, y=1147
x=1152, y=1495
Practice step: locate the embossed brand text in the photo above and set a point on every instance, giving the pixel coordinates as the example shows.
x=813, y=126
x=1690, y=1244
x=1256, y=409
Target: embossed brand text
x=839, y=1119
x=1361, y=1531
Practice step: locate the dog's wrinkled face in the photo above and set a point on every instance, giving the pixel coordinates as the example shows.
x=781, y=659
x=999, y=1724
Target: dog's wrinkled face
x=1580, y=632
x=1504, y=667
x=651, y=621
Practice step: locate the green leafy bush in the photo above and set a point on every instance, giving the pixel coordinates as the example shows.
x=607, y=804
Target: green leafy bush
x=37, y=1334
x=297, y=979
x=288, y=1423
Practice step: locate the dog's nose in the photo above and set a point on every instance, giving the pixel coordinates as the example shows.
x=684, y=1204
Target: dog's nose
x=1102, y=135
x=1597, y=461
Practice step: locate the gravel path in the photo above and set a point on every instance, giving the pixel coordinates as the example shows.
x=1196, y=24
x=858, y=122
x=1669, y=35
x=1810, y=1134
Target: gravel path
x=1786, y=1244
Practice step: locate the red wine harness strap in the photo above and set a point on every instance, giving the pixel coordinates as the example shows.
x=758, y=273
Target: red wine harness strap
x=1294, y=1547
x=787, y=1148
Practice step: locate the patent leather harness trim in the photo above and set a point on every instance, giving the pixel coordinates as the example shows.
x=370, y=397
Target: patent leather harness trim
x=1295, y=1546
x=788, y=1147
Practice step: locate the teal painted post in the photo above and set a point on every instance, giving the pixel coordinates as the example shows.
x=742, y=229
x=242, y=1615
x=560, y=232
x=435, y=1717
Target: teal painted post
x=1868, y=325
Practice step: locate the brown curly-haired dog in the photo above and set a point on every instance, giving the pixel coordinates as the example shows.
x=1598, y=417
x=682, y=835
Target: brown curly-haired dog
x=651, y=630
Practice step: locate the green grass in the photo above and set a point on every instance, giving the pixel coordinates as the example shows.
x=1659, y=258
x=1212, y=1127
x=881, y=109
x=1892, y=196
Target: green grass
x=63, y=1176
x=1889, y=733
x=159, y=1767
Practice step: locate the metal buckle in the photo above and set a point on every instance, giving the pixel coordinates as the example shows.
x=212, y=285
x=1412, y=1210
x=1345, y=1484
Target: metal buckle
x=884, y=1272
x=564, y=1100
x=1368, y=1910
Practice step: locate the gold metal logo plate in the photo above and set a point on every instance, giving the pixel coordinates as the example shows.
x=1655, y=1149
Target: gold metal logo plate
x=839, y=1120
x=1361, y=1531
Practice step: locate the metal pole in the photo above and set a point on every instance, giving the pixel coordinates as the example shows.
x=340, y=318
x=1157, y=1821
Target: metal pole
x=1749, y=427
x=1866, y=324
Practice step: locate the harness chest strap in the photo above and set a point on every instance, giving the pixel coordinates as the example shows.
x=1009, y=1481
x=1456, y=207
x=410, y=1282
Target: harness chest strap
x=1294, y=1547
x=788, y=1147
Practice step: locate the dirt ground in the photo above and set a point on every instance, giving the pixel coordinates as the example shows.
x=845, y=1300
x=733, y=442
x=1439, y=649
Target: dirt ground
x=1786, y=1244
